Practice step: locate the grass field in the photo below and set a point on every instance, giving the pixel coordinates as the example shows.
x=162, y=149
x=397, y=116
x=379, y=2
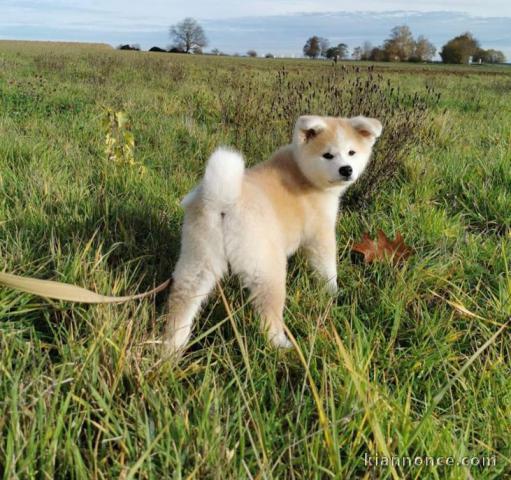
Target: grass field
x=404, y=362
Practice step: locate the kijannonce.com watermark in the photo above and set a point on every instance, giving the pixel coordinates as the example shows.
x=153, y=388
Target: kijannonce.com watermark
x=419, y=461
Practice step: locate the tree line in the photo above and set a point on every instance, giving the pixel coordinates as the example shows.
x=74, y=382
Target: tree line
x=401, y=46
x=189, y=37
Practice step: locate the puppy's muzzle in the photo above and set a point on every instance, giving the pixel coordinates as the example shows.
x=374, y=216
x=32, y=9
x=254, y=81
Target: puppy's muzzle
x=346, y=172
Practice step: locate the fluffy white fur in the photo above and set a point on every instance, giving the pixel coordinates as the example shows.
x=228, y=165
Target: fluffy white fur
x=253, y=220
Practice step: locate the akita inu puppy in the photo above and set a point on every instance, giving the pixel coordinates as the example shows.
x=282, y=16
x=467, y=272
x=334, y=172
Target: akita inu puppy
x=253, y=220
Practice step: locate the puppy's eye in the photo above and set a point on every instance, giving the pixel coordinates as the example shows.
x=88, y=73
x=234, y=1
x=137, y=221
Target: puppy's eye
x=351, y=153
x=328, y=156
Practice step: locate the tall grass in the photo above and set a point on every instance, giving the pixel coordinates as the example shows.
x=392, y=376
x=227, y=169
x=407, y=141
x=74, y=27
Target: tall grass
x=411, y=361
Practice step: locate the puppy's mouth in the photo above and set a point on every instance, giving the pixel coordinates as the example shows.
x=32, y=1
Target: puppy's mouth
x=341, y=181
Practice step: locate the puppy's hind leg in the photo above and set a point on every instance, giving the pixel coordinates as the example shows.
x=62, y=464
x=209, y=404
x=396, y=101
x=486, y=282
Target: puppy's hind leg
x=267, y=284
x=201, y=264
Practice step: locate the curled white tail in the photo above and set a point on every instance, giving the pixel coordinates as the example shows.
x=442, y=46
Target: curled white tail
x=223, y=178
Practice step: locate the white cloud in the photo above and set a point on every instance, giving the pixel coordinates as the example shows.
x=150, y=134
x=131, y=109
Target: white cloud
x=171, y=10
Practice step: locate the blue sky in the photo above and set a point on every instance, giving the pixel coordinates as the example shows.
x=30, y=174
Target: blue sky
x=278, y=26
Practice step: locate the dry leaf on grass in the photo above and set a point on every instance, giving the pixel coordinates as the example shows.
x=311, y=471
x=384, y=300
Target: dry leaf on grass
x=382, y=248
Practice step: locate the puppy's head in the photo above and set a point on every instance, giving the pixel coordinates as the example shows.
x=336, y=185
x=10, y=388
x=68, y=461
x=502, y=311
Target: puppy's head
x=333, y=151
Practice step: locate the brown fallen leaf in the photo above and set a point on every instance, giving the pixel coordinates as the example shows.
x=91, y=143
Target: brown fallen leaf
x=382, y=248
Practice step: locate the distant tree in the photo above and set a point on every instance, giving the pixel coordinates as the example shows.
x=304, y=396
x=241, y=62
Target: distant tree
x=324, y=44
x=332, y=53
x=344, y=50
x=479, y=56
x=488, y=56
x=188, y=35
x=157, y=49
x=366, y=51
x=338, y=52
x=424, y=50
x=269, y=55
x=357, y=53
x=252, y=53
x=378, y=54
x=495, y=56
x=400, y=45
x=215, y=51
x=312, y=47
x=460, y=49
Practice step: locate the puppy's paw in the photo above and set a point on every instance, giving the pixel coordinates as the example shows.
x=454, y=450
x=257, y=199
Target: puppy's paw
x=331, y=286
x=280, y=340
x=173, y=349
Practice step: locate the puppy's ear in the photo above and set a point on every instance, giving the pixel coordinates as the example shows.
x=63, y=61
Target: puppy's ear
x=307, y=127
x=369, y=128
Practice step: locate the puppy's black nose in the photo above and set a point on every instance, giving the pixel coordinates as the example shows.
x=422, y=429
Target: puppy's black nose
x=345, y=171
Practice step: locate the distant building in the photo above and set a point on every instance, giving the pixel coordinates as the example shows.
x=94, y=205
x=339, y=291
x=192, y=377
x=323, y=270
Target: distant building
x=129, y=47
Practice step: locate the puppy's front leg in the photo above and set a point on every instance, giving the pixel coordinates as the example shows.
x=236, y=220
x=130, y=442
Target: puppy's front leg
x=268, y=288
x=322, y=254
x=269, y=299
